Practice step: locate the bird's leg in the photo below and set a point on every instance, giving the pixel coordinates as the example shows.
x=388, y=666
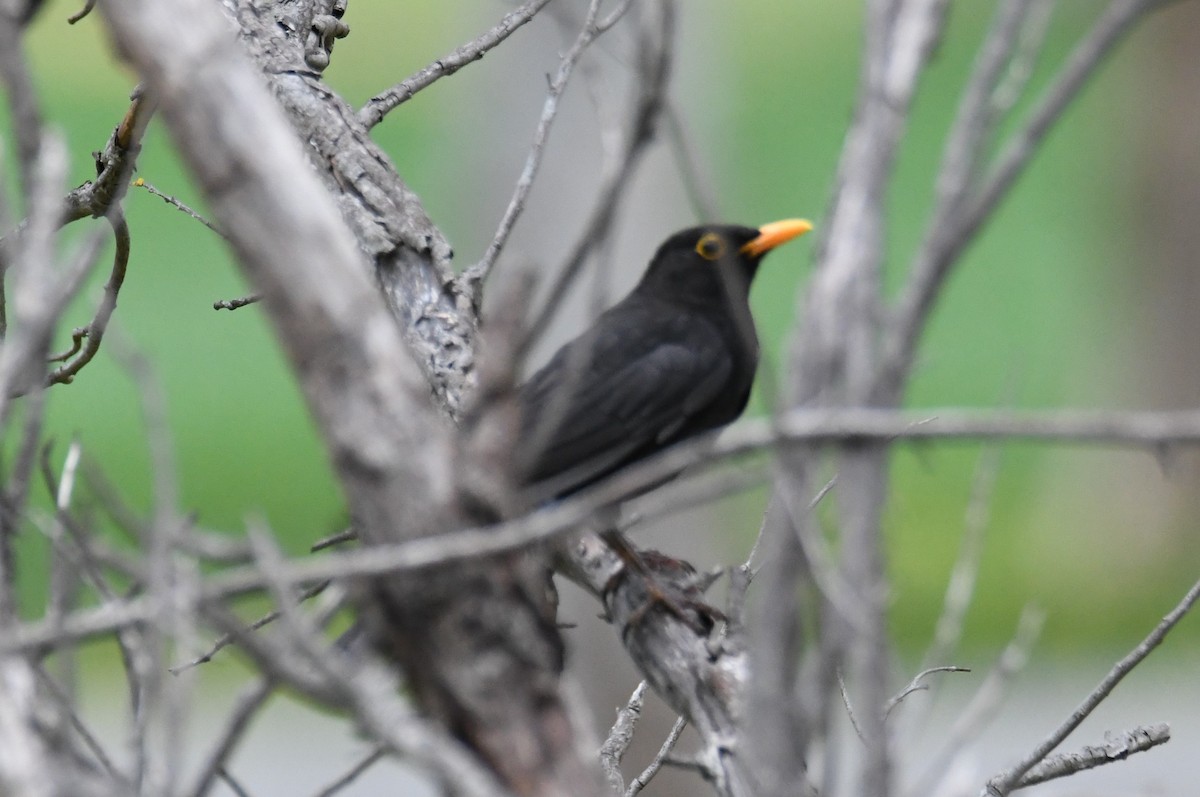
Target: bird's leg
x=658, y=574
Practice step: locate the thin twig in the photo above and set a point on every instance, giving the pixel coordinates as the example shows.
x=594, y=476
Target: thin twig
x=177, y=204
x=858, y=731
x=334, y=539
x=367, y=761
x=1003, y=783
x=380, y=105
x=474, y=277
x=226, y=640
x=915, y=685
x=664, y=752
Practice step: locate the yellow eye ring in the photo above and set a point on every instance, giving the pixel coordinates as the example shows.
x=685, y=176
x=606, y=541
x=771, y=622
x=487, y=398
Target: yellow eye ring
x=710, y=246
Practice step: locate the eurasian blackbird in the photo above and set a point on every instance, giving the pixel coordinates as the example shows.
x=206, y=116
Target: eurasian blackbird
x=673, y=359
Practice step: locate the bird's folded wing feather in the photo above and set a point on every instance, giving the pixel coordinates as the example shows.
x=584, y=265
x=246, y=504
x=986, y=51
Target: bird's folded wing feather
x=607, y=396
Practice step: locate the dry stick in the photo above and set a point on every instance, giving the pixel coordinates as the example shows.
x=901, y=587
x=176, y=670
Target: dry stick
x=368, y=761
x=380, y=105
x=619, y=738
x=939, y=251
x=1006, y=781
x=987, y=700
x=474, y=277
x=1136, y=740
x=661, y=758
x=1145, y=430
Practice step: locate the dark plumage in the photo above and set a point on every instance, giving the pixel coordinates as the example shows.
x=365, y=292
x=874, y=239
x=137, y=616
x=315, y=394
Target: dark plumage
x=674, y=358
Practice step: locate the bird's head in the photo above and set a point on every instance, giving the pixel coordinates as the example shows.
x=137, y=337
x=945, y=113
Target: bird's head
x=715, y=261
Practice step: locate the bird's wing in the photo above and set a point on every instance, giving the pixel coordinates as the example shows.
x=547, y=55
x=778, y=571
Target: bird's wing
x=615, y=392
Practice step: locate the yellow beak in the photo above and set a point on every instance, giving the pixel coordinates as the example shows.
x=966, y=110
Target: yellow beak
x=773, y=234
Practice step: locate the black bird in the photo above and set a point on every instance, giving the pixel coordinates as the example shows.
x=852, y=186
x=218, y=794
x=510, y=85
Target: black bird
x=673, y=359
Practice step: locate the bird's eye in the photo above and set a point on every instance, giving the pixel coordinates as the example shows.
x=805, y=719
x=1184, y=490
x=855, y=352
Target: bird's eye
x=710, y=246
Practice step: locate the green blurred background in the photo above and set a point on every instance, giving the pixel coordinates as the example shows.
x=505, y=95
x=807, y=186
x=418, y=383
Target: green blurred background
x=1069, y=299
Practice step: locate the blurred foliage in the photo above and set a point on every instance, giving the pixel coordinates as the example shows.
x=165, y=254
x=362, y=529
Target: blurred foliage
x=767, y=89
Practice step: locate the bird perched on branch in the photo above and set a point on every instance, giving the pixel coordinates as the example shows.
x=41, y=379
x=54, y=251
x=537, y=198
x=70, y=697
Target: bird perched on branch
x=673, y=359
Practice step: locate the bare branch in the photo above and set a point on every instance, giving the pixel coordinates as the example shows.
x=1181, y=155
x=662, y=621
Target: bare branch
x=947, y=238
x=1003, y=783
x=380, y=105
x=474, y=277
x=655, y=55
x=1137, y=740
